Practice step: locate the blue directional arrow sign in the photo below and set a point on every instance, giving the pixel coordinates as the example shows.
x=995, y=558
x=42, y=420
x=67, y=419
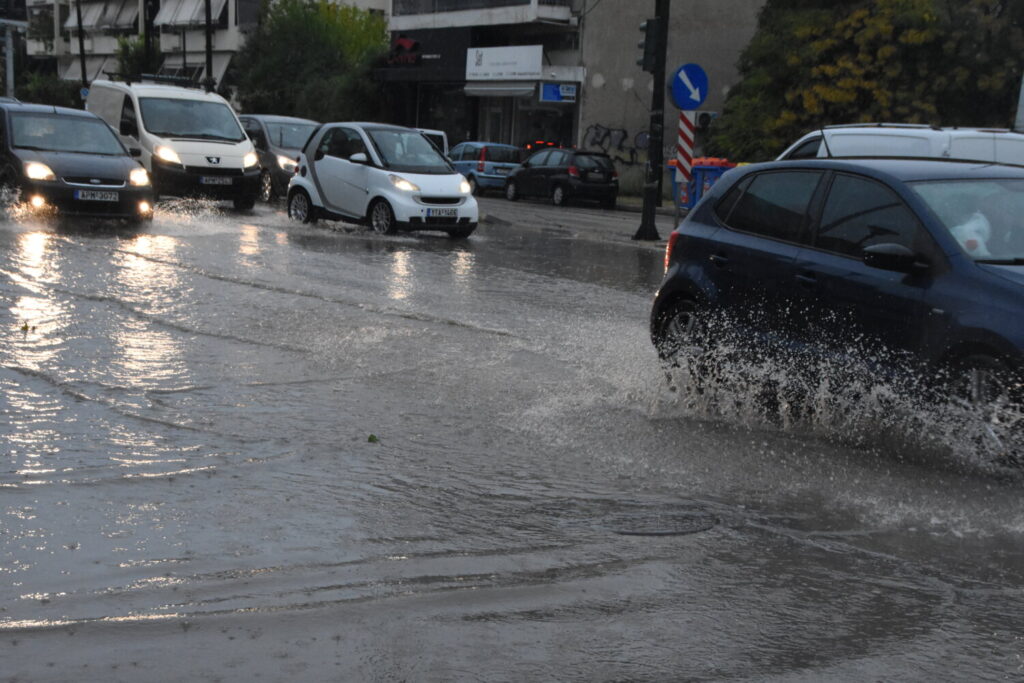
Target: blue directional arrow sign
x=689, y=86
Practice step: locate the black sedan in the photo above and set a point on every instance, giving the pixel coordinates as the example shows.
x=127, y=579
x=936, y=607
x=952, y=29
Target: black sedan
x=70, y=161
x=564, y=174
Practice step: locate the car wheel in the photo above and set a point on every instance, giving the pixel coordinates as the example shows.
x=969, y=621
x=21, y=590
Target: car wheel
x=558, y=196
x=461, y=233
x=677, y=330
x=382, y=218
x=244, y=203
x=300, y=208
x=511, y=191
x=266, y=186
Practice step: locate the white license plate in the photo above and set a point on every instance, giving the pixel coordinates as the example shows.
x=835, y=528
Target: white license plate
x=95, y=196
x=501, y=171
x=443, y=213
x=214, y=180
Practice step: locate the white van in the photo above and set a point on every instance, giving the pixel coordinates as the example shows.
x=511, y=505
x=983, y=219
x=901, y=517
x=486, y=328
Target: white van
x=910, y=140
x=191, y=141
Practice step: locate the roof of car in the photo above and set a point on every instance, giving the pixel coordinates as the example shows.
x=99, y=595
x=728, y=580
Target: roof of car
x=274, y=118
x=160, y=90
x=488, y=144
x=905, y=169
x=45, y=109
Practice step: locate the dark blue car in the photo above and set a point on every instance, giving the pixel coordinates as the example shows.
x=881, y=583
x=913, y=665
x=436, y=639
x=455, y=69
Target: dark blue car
x=863, y=259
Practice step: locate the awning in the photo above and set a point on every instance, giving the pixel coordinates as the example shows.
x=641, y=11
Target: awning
x=93, y=68
x=123, y=16
x=187, y=12
x=92, y=16
x=500, y=88
x=221, y=60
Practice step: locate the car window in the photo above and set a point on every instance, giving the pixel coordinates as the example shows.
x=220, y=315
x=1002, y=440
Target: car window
x=503, y=155
x=408, y=150
x=725, y=206
x=129, y=119
x=539, y=158
x=860, y=212
x=591, y=162
x=289, y=135
x=557, y=158
x=342, y=143
x=775, y=204
x=808, y=150
x=181, y=118
x=56, y=133
x=456, y=152
x=982, y=214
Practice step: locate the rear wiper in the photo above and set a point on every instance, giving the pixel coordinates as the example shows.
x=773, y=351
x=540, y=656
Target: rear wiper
x=1018, y=261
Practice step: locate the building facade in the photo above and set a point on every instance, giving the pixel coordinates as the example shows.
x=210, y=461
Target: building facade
x=554, y=71
x=179, y=26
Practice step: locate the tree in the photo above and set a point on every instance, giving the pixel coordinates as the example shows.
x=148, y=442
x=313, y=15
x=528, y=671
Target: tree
x=312, y=58
x=814, y=63
x=49, y=88
x=132, y=59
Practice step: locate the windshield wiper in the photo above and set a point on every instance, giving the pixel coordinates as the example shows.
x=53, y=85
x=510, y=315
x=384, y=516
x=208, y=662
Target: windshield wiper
x=1017, y=261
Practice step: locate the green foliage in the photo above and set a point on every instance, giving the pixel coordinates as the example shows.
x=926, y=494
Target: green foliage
x=131, y=55
x=814, y=63
x=312, y=58
x=48, y=88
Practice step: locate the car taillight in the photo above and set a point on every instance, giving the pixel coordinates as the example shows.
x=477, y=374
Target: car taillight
x=483, y=157
x=615, y=174
x=669, y=247
x=574, y=172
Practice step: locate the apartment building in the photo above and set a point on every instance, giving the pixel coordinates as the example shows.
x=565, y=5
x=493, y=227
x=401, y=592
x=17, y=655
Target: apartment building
x=561, y=71
x=178, y=24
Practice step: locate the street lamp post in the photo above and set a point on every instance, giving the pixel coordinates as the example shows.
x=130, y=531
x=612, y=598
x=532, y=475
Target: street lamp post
x=655, y=150
x=209, y=82
x=81, y=44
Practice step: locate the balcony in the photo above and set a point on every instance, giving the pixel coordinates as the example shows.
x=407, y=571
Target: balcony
x=410, y=15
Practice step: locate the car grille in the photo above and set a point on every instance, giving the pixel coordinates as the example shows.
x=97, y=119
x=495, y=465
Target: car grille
x=87, y=181
x=213, y=170
x=441, y=200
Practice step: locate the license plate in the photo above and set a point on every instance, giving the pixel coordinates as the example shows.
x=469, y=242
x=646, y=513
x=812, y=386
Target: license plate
x=598, y=177
x=214, y=180
x=95, y=196
x=442, y=213
x=501, y=171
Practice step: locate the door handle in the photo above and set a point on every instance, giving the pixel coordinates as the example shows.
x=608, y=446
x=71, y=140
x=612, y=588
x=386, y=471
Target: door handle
x=807, y=279
x=719, y=260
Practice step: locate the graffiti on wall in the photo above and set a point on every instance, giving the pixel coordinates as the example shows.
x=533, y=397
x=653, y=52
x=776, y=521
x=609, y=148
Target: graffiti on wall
x=616, y=143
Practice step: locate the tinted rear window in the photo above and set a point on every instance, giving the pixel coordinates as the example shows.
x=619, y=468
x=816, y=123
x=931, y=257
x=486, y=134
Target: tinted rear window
x=589, y=162
x=503, y=155
x=775, y=204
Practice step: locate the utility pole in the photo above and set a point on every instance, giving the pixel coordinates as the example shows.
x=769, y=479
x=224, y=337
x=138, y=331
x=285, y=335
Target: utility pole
x=209, y=81
x=653, y=60
x=81, y=44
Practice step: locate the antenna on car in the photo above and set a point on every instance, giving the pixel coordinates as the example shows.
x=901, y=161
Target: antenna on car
x=824, y=141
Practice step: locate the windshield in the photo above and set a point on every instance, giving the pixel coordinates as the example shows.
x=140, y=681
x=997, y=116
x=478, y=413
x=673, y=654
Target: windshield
x=985, y=216
x=289, y=135
x=174, y=118
x=589, y=162
x=504, y=155
x=55, y=133
x=409, y=151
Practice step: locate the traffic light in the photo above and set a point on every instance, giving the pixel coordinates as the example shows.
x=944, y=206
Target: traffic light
x=649, y=45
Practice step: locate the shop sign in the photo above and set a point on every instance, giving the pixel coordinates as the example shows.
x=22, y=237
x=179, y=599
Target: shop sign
x=558, y=92
x=518, y=63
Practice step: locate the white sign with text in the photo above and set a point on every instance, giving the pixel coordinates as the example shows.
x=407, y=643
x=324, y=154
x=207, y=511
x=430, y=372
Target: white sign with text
x=518, y=63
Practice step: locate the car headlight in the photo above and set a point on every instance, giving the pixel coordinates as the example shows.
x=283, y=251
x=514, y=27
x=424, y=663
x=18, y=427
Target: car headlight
x=138, y=177
x=250, y=159
x=37, y=171
x=464, y=187
x=167, y=154
x=403, y=184
x=286, y=163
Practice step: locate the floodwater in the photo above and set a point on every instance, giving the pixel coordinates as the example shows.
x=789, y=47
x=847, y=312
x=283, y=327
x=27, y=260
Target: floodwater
x=238, y=448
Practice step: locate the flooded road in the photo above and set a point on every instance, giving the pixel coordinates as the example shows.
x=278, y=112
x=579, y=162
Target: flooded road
x=238, y=448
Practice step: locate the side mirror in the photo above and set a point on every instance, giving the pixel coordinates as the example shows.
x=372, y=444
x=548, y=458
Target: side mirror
x=135, y=152
x=893, y=257
x=359, y=158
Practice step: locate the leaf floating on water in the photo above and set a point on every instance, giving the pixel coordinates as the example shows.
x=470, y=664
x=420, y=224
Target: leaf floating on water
x=373, y=439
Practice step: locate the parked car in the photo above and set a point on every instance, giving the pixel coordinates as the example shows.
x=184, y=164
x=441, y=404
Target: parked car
x=909, y=140
x=389, y=177
x=192, y=142
x=69, y=160
x=565, y=174
x=920, y=262
x=277, y=140
x=485, y=164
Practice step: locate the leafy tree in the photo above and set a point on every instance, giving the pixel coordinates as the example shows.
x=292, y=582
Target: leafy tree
x=49, y=88
x=312, y=58
x=814, y=63
x=132, y=59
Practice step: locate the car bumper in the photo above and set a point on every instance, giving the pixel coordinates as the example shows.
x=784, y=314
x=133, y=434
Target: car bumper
x=180, y=181
x=491, y=180
x=413, y=214
x=593, y=190
x=66, y=199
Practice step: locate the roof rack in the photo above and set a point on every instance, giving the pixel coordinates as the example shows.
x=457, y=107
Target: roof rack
x=163, y=79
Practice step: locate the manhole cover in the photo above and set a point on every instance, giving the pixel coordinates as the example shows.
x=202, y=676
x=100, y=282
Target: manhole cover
x=666, y=523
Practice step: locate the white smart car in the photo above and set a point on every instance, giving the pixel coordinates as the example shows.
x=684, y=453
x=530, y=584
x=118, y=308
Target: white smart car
x=389, y=177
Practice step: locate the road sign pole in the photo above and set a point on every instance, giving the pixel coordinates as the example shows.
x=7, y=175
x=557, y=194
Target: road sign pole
x=684, y=147
x=655, y=154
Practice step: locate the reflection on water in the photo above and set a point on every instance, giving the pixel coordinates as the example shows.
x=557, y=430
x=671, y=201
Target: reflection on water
x=462, y=263
x=400, y=284
x=249, y=242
